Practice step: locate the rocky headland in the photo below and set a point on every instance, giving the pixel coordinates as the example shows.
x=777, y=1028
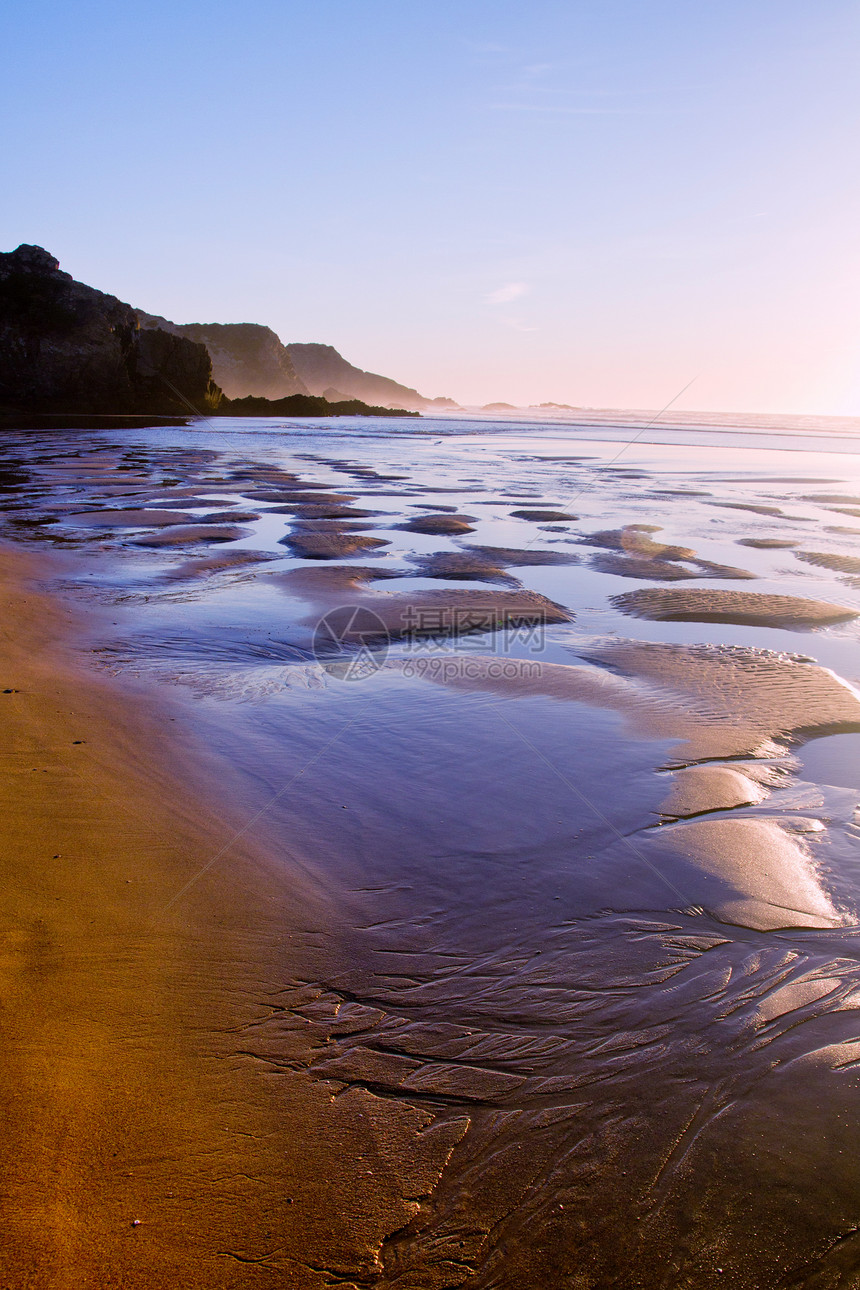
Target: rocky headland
x=67, y=348
x=250, y=360
x=247, y=358
x=69, y=351
x=324, y=371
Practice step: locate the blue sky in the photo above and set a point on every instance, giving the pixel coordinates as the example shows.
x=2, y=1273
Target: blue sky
x=588, y=202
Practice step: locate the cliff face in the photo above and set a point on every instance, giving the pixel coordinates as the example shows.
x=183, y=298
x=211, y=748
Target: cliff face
x=67, y=348
x=322, y=368
x=247, y=359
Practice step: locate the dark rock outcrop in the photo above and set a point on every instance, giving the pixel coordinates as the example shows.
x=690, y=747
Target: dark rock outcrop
x=322, y=368
x=67, y=348
x=306, y=405
x=247, y=358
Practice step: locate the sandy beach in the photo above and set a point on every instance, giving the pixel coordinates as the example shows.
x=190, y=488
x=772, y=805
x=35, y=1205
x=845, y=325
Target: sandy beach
x=123, y=1159
x=501, y=934
x=141, y=1146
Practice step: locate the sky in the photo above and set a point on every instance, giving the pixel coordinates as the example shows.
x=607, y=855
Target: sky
x=591, y=202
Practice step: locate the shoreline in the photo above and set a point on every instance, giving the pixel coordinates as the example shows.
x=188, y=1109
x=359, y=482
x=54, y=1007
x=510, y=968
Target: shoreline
x=159, y=1126
x=107, y=1093
x=432, y=924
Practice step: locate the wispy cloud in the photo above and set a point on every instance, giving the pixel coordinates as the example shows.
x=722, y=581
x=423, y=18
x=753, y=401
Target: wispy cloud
x=510, y=291
x=517, y=325
x=532, y=71
x=487, y=47
x=546, y=88
x=560, y=109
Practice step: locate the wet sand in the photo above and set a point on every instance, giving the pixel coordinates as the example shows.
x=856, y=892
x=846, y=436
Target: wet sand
x=534, y=961
x=706, y=606
x=145, y=936
x=107, y=1100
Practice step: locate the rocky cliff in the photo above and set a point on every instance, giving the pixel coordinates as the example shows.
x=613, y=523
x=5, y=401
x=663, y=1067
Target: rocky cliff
x=67, y=348
x=322, y=368
x=247, y=358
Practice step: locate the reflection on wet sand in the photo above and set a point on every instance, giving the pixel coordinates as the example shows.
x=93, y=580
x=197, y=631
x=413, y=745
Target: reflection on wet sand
x=579, y=989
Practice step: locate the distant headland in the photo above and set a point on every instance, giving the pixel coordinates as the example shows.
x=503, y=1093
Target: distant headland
x=70, y=352
x=250, y=360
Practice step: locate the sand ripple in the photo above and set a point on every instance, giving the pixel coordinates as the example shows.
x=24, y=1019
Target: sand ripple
x=703, y=605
